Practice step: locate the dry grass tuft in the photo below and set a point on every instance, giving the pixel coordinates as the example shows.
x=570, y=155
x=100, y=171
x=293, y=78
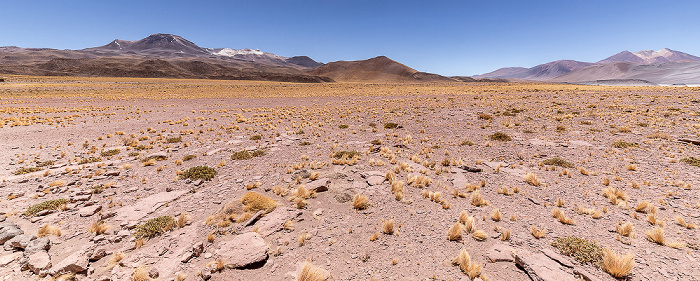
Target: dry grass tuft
x=359, y=202
x=48, y=229
x=183, y=219
x=388, y=226
x=310, y=272
x=98, y=227
x=469, y=224
x=625, y=229
x=479, y=235
x=531, y=179
x=141, y=274
x=455, y=232
x=538, y=233
x=557, y=213
x=464, y=261
x=616, y=196
x=253, y=202
x=496, y=215
x=57, y=183
x=616, y=264
x=477, y=200
x=656, y=235
x=505, y=234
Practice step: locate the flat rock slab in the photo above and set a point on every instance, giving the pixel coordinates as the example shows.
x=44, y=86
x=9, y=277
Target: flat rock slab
x=375, y=180
x=541, y=268
x=89, y=211
x=7, y=259
x=242, y=250
x=76, y=262
x=500, y=253
x=147, y=205
x=38, y=262
x=274, y=221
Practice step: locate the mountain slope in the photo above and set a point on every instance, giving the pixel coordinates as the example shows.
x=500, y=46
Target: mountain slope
x=668, y=73
x=650, y=57
x=538, y=73
x=378, y=69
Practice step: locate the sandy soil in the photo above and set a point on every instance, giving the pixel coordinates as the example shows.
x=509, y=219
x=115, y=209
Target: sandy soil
x=439, y=136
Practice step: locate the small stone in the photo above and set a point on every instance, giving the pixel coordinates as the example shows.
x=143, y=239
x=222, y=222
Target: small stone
x=98, y=254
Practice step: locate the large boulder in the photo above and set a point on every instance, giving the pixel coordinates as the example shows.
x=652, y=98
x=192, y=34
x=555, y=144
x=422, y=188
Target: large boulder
x=243, y=250
x=8, y=231
x=39, y=244
x=38, y=263
x=18, y=242
x=76, y=262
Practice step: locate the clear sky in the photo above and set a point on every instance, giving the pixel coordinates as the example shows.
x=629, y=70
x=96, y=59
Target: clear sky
x=444, y=37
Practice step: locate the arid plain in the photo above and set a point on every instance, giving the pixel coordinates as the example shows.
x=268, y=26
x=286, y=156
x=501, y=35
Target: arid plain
x=141, y=179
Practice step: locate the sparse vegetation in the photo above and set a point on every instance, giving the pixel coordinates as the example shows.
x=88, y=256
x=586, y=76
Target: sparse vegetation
x=500, y=136
x=155, y=226
x=199, y=172
x=582, y=250
x=556, y=161
x=46, y=205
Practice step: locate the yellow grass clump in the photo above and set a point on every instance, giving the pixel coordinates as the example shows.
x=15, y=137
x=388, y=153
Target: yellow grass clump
x=310, y=272
x=455, y=232
x=360, y=202
x=464, y=261
x=616, y=264
x=388, y=226
x=557, y=213
x=531, y=179
x=48, y=229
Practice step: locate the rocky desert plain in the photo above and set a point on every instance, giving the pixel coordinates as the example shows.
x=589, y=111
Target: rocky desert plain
x=176, y=179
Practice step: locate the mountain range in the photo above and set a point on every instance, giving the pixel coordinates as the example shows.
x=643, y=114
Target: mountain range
x=168, y=55
x=663, y=67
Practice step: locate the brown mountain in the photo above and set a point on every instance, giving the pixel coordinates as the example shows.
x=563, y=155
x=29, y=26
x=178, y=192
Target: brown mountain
x=379, y=69
x=161, y=56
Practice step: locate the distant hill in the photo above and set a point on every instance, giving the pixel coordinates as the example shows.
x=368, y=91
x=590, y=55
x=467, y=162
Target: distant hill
x=663, y=67
x=538, y=73
x=378, y=69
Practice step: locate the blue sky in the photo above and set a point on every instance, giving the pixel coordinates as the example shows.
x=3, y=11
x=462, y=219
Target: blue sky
x=444, y=37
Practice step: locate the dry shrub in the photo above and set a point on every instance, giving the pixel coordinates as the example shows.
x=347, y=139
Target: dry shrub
x=253, y=202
